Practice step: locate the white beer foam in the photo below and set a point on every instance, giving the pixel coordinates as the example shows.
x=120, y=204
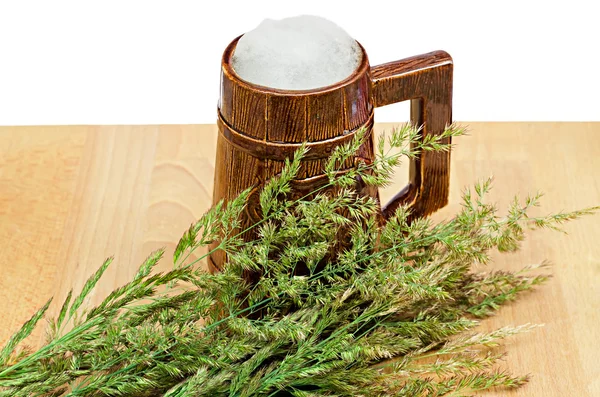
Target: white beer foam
x=297, y=53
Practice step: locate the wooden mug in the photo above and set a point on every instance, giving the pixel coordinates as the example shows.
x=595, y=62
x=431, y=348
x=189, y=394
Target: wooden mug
x=259, y=127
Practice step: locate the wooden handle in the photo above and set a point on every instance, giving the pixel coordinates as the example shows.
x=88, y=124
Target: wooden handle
x=425, y=80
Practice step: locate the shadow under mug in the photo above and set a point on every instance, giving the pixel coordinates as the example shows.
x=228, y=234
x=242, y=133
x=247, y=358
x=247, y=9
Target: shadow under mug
x=259, y=127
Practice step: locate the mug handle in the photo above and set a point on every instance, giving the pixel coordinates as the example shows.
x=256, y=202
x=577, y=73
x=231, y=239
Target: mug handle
x=425, y=80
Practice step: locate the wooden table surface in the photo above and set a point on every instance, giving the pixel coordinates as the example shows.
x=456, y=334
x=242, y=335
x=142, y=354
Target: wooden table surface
x=72, y=196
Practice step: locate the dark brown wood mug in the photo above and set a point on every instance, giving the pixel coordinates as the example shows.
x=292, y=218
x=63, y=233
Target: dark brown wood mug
x=259, y=127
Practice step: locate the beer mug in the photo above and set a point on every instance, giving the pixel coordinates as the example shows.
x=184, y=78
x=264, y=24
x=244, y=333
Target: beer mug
x=259, y=127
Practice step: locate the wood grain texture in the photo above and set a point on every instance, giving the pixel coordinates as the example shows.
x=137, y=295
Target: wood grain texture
x=262, y=127
x=72, y=196
x=425, y=80
x=265, y=125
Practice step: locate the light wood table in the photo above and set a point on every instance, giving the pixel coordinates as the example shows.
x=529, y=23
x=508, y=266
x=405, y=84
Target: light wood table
x=72, y=196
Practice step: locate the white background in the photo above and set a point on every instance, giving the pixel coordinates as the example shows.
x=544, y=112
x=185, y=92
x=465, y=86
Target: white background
x=151, y=62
